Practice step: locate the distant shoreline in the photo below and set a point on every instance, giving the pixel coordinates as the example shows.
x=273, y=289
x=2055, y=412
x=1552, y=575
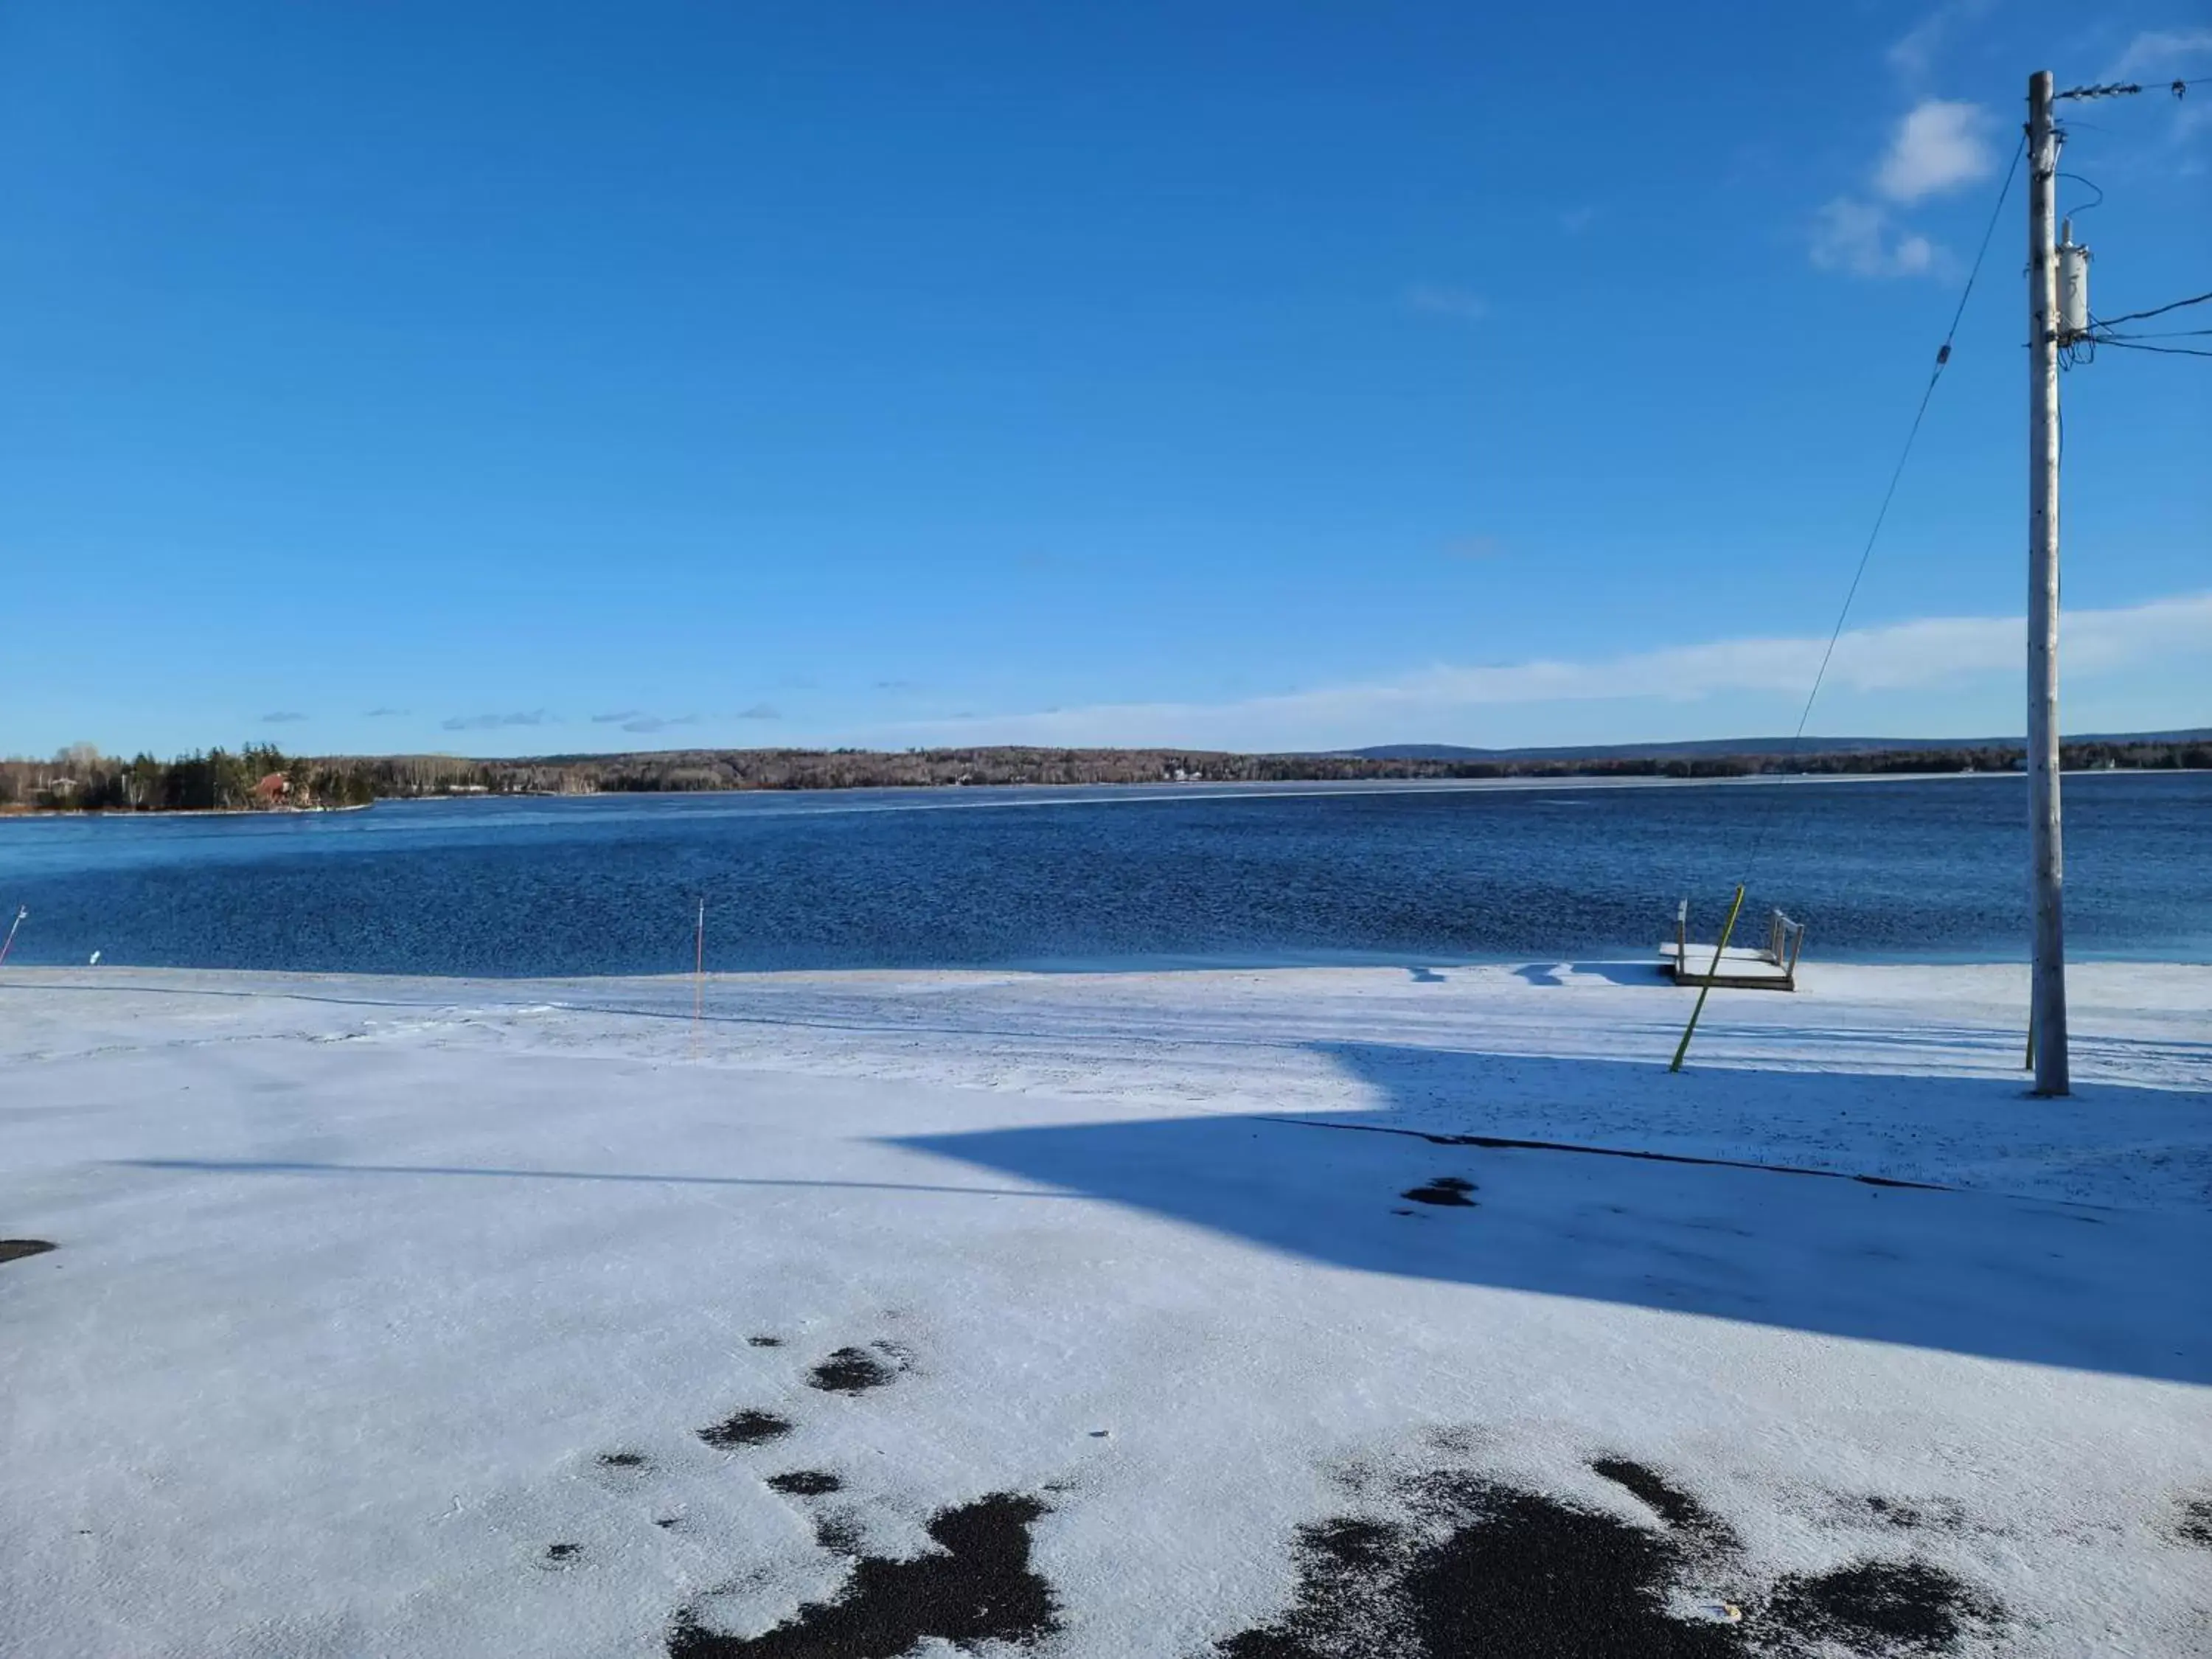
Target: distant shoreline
x=1209, y=788
x=17, y=810
x=262, y=778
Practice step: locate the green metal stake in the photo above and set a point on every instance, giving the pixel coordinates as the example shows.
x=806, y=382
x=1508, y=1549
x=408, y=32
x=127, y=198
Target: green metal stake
x=1729, y=927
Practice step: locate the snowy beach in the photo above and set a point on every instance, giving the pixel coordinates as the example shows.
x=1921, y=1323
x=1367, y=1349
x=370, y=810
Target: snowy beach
x=1087, y=1314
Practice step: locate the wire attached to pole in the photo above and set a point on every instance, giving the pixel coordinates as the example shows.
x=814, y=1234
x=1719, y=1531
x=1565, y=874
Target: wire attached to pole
x=2155, y=311
x=1889, y=494
x=2163, y=351
x=1859, y=575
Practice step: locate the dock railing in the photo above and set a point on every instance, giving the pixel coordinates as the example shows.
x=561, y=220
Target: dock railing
x=1772, y=966
x=1784, y=939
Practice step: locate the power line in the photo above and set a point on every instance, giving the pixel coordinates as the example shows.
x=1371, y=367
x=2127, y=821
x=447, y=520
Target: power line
x=2155, y=311
x=1881, y=514
x=2164, y=351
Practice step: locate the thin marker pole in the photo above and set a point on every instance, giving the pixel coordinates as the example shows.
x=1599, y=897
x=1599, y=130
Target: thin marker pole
x=21, y=910
x=1705, y=990
x=698, y=975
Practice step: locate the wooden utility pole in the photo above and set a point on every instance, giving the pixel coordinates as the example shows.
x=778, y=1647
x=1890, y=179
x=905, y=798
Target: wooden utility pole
x=2047, y=994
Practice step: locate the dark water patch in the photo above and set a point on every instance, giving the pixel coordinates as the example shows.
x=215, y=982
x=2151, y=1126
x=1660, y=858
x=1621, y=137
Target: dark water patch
x=558, y=1555
x=1670, y=1503
x=1466, y=1568
x=1350, y=1601
x=746, y=1428
x=15, y=1249
x=805, y=1483
x=765, y=1341
x=1446, y=1190
x=1505, y=1572
x=2195, y=1526
x=976, y=1586
x=1542, y=1580
x=855, y=1371
x=668, y=1523
x=1880, y=1607
x=1924, y=1515
x=622, y=1460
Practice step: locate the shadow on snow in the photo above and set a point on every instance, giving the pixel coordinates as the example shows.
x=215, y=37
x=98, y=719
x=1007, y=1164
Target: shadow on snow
x=1973, y=1273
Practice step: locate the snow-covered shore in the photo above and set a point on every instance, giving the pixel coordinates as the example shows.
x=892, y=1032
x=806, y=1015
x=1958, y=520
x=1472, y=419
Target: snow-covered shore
x=385, y=1315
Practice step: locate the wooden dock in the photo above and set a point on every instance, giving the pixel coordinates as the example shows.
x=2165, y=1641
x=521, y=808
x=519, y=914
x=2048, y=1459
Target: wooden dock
x=1771, y=967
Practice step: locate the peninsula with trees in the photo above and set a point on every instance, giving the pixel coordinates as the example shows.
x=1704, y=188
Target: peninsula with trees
x=260, y=777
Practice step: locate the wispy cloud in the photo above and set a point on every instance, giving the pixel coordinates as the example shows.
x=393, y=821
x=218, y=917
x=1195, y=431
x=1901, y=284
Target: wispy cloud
x=1045, y=559
x=282, y=717
x=1940, y=145
x=1858, y=238
x=637, y=719
x=1917, y=655
x=760, y=711
x=1440, y=299
x=380, y=713
x=2162, y=54
x=1576, y=220
x=1913, y=54
x=2158, y=56
x=493, y=722
x=1475, y=548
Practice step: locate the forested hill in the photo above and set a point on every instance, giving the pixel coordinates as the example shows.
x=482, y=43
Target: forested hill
x=263, y=778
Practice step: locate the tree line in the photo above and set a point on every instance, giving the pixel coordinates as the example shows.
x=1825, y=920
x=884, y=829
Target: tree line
x=260, y=777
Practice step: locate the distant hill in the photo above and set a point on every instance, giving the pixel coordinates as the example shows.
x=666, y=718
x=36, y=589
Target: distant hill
x=262, y=779
x=1748, y=748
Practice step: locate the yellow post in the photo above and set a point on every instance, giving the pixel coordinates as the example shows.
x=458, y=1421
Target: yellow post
x=1727, y=928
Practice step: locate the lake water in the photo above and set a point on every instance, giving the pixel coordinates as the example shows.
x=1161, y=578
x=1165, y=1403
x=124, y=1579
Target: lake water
x=1918, y=869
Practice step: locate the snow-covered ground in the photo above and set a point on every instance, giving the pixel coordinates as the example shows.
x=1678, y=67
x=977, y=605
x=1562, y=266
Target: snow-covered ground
x=1083, y=1314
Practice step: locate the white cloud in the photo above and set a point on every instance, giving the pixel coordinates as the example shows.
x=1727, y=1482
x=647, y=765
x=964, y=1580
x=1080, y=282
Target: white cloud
x=1858, y=237
x=1921, y=655
x=1938, y=146
x=1439, y=300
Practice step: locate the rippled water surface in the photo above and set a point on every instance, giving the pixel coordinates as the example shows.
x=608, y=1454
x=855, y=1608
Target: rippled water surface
x=1925, y=869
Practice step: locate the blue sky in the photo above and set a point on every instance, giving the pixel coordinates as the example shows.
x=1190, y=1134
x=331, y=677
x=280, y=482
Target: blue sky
x=531, y=378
